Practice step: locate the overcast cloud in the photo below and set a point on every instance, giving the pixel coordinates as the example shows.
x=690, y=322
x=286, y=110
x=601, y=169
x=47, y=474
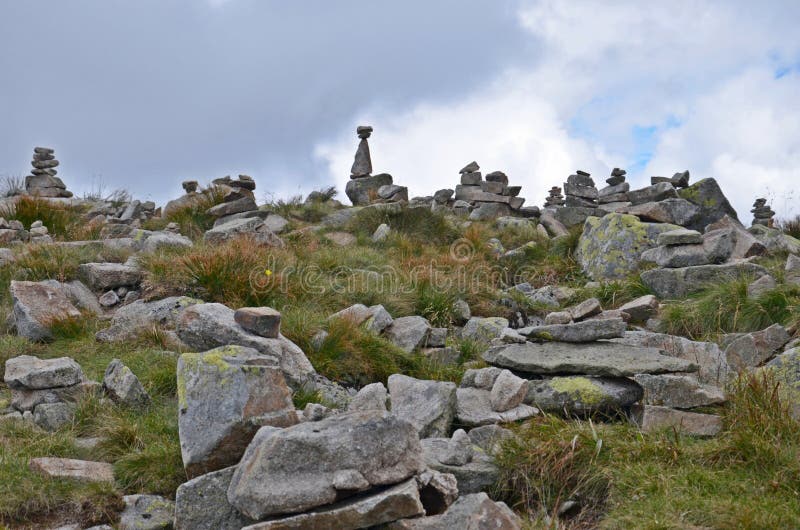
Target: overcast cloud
x=142, y=95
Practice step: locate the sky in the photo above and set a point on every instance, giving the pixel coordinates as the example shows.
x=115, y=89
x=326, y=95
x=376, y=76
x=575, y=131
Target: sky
x=143, y=95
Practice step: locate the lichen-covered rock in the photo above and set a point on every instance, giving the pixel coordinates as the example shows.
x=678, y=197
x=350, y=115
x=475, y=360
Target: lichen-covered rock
x=671, y=284
x=678, y=391
x=105, y=276
x=713, y=204
x=37, y=306
x=139, y=317
x=581, y=395
x=352, y=452
x=147, y=512
x=775, y=240
x=484, y=329
x=202, y=504
x=428, y=405
x=31, y=373
x=610, y=247
x=577, y=332
x=123, y=387
x=470, y=512
x=224, y=396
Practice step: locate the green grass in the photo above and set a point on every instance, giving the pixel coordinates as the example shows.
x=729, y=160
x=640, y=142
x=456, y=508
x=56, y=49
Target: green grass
x=747, y=477
x=63, y=221
x=192, y=218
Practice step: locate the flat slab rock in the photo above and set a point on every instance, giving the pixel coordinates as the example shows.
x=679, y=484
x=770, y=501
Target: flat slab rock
x=653, y=418
x=582, y=395
x=375, y=508
x=202, y=504
x=598, y=358
x=470, y=512
x=31, y=373
x=586, y=331
x=83, y=470
x=670, y=284
x=474, y=408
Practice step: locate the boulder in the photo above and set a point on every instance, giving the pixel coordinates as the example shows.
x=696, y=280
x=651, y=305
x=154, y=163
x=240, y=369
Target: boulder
x=32, y=373
x=587, y=308
x=408, y=333
x=484, y=329
x=37, y=306
x=263, y=321
x=368, y=511
x=792, y=275
x=437, y=491
x=651, y=418
x=224, y=396
x=474, y=470
x=207, y=326
x=146, y=512
x=105, y=276
x=202, y=504
x=708, y=196
x=601, y=359
x=678, y=391
x=681, y=236
x=139, y=317
x=470, y=512
x=252, y=227
x=582, y=395
x=585, y=331
x=752, y=349
x=428, y=405
x=372, y=397
x=378, y=319
x=554, y=227
x=641, y=309
x=508, y=391
x=353, y=452
x=680, y=283
x=81, y=470
x=24, y=399
x=610, y=247
x=243, y=204
x=761, y=286
x=162, y=240
x=654, y=193
x=745, y=243
x=489, y=437
x=717, y=247
x=123, y=387
x=570, y=216
x=53, y=416
x=474, y=408
x=364, y=190
x=775, y=240
x=785, y=368
x=673, y=211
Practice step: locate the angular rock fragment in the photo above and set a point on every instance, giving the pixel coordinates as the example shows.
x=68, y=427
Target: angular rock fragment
x=428, y=405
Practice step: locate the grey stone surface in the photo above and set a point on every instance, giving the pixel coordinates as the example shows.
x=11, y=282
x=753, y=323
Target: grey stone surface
x=474, y=408
x=162, y=240
x=428, y=405
x=131, y=320
x=381, y=233
x=600, y=358
x=484, y=329
x=489, y=437
x=679, y=283
x=681, y=236
x=202, y=504
x=674, y=211
x=585, y=309
x=363, y=191
x=717, y=247
x=263, y=321
x=372, y=397
x=775, y=240
x=81, y=470
x=745, y=244
x=24, y=399
x=708, y=196
x=641, y=309
x=53, y=416
x=651, y=418
x=678, y=391
x=653, y=193
x=378, y=319
x=476, y=472
x=36, y=306
x=147, y=512
x=586, y=331
x=582, y=395
x=253, y=227
x=753, y=349
x=29, y=372
x=761, y=286
x=508, y=391
x=792, y=275
x=470, y=512
x=408, y=333
x=276, y=475
x=105, y=276
x=224, y=396
x=123, y=387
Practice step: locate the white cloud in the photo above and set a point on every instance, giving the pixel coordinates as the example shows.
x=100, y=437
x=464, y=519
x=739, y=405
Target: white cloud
x=700, y=72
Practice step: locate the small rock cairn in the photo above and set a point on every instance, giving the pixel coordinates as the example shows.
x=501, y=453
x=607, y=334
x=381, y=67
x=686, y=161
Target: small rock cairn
x=580, y=190
x=555, y=199
x=617, y=189
x=365, y=188
x=762, y=213
x=43, y=181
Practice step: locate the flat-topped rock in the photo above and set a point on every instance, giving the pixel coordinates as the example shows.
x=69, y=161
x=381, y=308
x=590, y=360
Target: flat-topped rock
x=681, y=236
x=678, y=391
x=31, y=373
x=679, y=283
x=600, y=358
x=585, y=331
x=651, y=418
x=105, y=276
x=428, y=405
x=37, y=306
x=582, y=395
x=82, y=470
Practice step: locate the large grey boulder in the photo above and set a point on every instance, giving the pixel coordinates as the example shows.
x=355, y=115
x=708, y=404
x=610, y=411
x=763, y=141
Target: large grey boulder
x=123, y=387
x=470, y=512
x=428, y=405
x=582, y=395
x=600, y=358
x=610, y=247
x=752, y=349
x=651, y=418
x=352, y=452
x=408, y=333
x=107, y=276
x=708, y=196
x=678, y=391
x=202, y=504
x=586, y=331
x=717, y=247
x=653, y=193
x=131, y=320
x=251, y=227
x=474, y=408
x=745, y=244
x=775, y=240
x=711, y=360
x=37, y=306
x=364, y=190
x=207, y=326
x=674, y=211
x=482, y=329
x=146, y=512
x=370, y=511
x=474, y=470
x=53, y=416
x=224, y=396
x=31, y=373
x=680, y=283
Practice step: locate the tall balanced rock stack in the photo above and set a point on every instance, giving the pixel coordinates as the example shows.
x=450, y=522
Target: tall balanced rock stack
x=365, y=188
x=580, y=190
x=617, y=189
x=762, y=213
x=43, y=181
x=238, y=196
x=555, y=199
x=488, y=198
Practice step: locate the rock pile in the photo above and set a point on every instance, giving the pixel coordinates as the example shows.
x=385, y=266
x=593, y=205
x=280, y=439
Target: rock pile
x=237, y=197
x=365, y=188
x=555, y=198
x=13, y=232
x=487, y=198
x=42, y=181
x=762, y=213
x=581, y=200
x=678, y=180
x=617, y=189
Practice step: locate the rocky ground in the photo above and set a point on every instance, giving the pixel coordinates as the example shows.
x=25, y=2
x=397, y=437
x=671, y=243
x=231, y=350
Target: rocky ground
x=619, y=358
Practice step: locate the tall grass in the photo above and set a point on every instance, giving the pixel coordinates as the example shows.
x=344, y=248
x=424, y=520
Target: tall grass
x=63, y=221
x=192, y=217
x=791, y=226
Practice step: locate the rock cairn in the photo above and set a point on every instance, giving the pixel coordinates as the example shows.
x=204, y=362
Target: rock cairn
x=555, y=199
x=237, y=196
x=580, y=190
x=489, y=197
x=678, y=180
x=43, y=181
x=14, y=232
x=762, y=213
x=617, y=189
x=365, y=188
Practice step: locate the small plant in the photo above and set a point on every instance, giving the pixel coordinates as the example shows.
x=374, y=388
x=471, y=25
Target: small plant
x=192, y=217
x=62, y=220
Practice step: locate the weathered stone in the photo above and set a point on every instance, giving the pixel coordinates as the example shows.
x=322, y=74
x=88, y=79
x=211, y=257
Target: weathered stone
x=224, y=396
x=139, y=317
x=362, y=164
x=53, y=416
x=474, y=408
x=717, y=247
x=570, y=216
x=554, y=227
x=475, y=471
x=378, y=319
x=428, y=405
x=713, y=204
x=585, y=309
x=508, y=391
x=356, y=313
x=252, y=227
x=123, y=387
x=775, y=240
x=437, y=337
x=81, y=470
x=558, y=317
x=681, y=236
x=263, y=321
x=147, y=512
x=24, y=399
x=207, y=326
x=651, y=418
x=752, y=349
x=654, y=193
x=761, y=286
x=678, y=391
x=109, y=299
x=37, y=306
x=601, y=358
x=610, y=247
x=785, y=368
x=489, y=437
x=381, y=233
x=489, y=210
x=470, y=168
x=713, y=365
x=28, y=372
x=276, y=475
x=679, y=283
x=585, y=331
x=408, y=333
x=616, y=189
x=792, y=274
x=165, y=240
x=367, y=511
x=641, y=309
x=243, y=204
x=364, y=190
x=582, y=395
x=484, y=329
x=470, y=512
x=372, y=397
x=202, y=504
x=745, y=243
